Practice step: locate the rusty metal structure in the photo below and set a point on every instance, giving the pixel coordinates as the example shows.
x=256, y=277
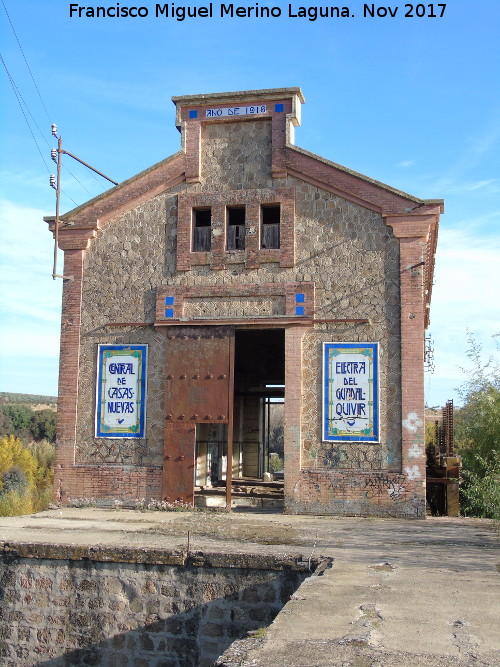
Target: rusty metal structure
x=443, y=467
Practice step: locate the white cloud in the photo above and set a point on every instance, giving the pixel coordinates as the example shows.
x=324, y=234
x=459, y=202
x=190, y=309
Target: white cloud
x=451, y=186
x=406, y=163
x=487, y=140
x=31, y=301
x=465, y=297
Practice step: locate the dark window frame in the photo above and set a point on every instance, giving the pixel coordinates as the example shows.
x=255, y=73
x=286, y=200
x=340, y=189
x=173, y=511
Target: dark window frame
x=202, y=229
x=235, y=227
x=270, y=215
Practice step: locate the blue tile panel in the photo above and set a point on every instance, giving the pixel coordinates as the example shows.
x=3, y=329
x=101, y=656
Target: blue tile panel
x=299, y=310
x=169, y=300
x=300, y=298
x=169, y=312
x=193, y=113
x=279, y=107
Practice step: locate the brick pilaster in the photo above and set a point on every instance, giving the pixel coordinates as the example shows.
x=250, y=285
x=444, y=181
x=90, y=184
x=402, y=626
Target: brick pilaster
x=413, y=234
x=193, y=151
x=293, y=385
x=73, y=242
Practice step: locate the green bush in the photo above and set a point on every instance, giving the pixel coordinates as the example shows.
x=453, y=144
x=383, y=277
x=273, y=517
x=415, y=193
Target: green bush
x=480, y=493
x=14, y=479
x=477, y=435
x=275, y=463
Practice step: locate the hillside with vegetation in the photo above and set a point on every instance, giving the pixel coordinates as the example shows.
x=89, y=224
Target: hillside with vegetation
x=27, y=452
x=28, y=399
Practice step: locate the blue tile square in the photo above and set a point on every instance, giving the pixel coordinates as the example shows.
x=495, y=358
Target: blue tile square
x=169, y=312
x=193, y=113
x=169, y=300
x=299, y=310
x=300, y=298
x=279, y=107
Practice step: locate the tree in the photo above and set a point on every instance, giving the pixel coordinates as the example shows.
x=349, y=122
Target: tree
x=43, y=425
x=20, y=420
x=16, y=420
x=477, y=434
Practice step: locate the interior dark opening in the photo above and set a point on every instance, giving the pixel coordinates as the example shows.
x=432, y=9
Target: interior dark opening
x=271, y=215
x=258, y=423
x=236, y=228
x=202, y=229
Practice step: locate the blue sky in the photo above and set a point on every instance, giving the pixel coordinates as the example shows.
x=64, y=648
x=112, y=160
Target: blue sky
x=413, y=102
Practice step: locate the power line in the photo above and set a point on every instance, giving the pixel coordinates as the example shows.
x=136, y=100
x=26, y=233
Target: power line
x=14, y=85
x=66, y=195
x=14, y=88
x=19, y=98
x=29, y=69
x=22, y=101
x=76, y=179
x=92, y=174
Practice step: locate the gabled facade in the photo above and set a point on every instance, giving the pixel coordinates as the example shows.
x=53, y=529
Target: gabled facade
x=238, y=270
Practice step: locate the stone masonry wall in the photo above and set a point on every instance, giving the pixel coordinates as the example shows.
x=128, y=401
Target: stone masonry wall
x=236, y=155
x=65, y=605
x=329, y=252
x=344, y=248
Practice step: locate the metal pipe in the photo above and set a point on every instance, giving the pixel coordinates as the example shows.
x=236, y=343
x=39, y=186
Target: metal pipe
x=57, y=222
x=325, y=320
x=58, y=194
x=274, y=321
x=268, y=434
x=85, y=164
x=230, y=424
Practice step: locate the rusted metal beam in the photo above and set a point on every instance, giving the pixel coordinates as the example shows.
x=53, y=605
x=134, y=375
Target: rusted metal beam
x=230, y=424
x=264, y=322
x=349, y=320
x=130, y=324
x=448, y=428
x=247, y=322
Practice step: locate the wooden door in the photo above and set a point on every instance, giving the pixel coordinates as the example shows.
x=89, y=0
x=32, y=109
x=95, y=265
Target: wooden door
x=199, y=389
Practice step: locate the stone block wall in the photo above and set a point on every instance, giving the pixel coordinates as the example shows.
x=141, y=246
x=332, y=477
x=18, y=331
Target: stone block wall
x=338, y=244
x=65, y=605
x=348, y=254
x=236, y=155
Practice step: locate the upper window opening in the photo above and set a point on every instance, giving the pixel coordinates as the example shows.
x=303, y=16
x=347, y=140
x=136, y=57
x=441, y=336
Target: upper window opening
x=235, y=228
x=202, y=229
x=271, y=215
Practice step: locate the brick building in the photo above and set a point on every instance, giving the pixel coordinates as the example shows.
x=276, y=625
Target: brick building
x=239, y=270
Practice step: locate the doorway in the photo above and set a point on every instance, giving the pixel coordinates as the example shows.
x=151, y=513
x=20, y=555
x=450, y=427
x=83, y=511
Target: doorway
x=257, y=442
x=223, y=381
x=259, y=384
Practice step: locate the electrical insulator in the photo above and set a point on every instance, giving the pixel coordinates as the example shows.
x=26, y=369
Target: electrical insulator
x=53, y=154
x=54, y=130
x=53, y=181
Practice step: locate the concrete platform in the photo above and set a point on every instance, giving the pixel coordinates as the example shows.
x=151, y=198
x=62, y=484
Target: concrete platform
x=405, y=593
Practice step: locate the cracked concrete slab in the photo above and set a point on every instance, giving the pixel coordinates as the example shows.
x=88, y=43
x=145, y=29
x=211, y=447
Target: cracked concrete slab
x=399, y=592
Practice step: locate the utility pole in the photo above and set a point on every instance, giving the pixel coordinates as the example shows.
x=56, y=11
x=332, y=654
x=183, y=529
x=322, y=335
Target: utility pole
x=55, y=182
